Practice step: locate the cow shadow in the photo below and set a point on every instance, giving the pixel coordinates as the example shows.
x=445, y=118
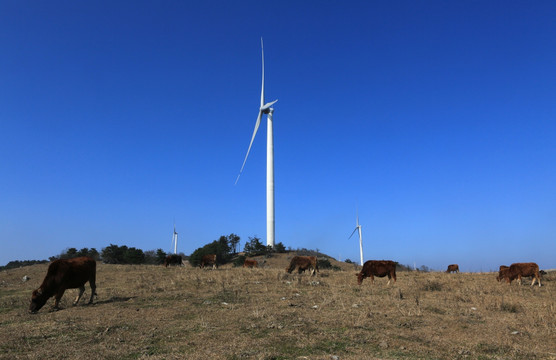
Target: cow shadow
x=114, y=299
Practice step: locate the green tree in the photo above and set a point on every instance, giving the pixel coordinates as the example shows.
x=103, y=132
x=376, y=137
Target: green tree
x=160, y=256
x=82, y=252
x=69, y=253
x=94, y=254
x=113, y=254
x=134, y=256
x=220, y=247
x=279, y=248
x=254, y=247
x=233, y=240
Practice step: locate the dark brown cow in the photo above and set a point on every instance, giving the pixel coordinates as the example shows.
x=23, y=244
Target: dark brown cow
x=208, y=260
x=173, y=259
x=502, y=272
x=65, y=274
x=250, y=263
x=379, y=268
x=518, y=270
x=453, y=268
x=303, y=263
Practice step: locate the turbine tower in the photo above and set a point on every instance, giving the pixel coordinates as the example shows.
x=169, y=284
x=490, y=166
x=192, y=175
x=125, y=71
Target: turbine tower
x=175, y=240
x=358, y=227
x=268, y=110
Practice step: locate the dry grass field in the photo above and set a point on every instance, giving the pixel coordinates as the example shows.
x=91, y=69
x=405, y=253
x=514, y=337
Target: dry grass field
x=234, y=313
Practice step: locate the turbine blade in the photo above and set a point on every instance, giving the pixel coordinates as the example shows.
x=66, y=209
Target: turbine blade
x=353, y=233
x=262, y=85
x=250, y=144
x=268, y=105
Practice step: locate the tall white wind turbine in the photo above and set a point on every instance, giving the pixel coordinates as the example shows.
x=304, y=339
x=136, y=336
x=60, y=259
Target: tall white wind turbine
x=175, y=240
x=268, y=110
x=358, y=227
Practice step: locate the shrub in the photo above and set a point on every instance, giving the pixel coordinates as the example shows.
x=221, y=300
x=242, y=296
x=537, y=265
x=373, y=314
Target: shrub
x=325, y=264
x=239, y=260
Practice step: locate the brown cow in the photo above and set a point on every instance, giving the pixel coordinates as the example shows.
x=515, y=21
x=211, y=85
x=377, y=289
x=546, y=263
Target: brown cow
x=65, y=274
x=250, y=263
x=303, y=263
x=453, y=268
x=173, y=259
x=379, y=268
x=517, y=270
x=209, y=260
x=502, y=272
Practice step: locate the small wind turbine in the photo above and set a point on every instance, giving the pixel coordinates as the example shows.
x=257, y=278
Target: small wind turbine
x=175, y=240
x=268, y=110
x=358, y=227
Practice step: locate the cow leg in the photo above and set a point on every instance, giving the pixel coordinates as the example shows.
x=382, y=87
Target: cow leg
x=57, y=299
x=519, y=279
x=81, y=291
x=93, y=291
x=313, y=272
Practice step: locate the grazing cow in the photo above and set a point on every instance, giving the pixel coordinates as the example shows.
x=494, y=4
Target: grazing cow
x=517, y=270
x=453, y=268
x=173, y=259
x=65, y=274
x=250, y=263
x=303, y=263
x=379, y=268
x=209, y=260
x=502, y=272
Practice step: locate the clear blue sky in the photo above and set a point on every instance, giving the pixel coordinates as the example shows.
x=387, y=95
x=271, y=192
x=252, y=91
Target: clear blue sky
x=436, y=119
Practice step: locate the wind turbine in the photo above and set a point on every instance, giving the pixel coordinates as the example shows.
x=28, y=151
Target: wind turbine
x=358, y=227
x=175, y=240
x=268, y=110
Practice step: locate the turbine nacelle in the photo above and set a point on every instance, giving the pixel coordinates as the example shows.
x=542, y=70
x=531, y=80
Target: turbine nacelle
x=358, y=227
x=266, y=107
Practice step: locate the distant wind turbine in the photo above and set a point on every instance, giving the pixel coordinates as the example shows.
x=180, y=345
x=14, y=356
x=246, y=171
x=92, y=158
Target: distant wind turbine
x=358, y=227
x=175, y=240
x=268, y=110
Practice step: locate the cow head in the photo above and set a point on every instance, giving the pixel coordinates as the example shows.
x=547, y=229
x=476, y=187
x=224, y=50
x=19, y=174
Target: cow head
x=359, y=277
x=38, y=299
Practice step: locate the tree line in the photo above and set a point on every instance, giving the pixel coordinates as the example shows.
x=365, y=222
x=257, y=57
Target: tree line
x=225, y=248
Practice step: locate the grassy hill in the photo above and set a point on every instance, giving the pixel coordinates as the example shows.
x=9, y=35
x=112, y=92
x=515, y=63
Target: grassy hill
x=281, y=260
x=152, y=312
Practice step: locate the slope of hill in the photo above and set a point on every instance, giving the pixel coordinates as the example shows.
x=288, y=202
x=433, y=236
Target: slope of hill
x=146, y=311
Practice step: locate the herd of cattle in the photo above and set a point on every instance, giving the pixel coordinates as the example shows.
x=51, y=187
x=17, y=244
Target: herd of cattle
x=75, y=273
